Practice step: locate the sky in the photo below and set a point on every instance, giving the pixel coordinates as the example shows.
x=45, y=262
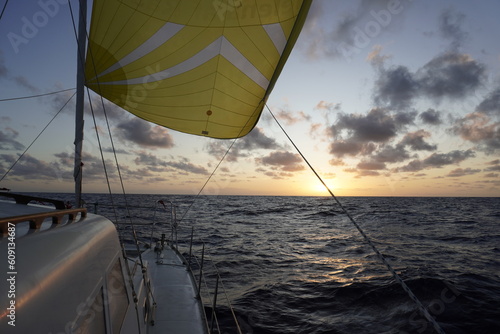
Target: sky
x=383, y=98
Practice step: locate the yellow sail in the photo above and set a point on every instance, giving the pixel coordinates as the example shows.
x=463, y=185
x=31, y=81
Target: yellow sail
x=205, y=67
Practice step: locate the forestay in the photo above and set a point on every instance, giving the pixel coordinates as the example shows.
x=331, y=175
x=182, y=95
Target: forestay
x=204, y=67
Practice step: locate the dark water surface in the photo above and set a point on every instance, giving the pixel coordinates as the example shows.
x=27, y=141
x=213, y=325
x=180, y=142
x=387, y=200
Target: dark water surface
x=298, y=265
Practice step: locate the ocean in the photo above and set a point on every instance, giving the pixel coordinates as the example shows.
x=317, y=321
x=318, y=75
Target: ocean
x=295, y=265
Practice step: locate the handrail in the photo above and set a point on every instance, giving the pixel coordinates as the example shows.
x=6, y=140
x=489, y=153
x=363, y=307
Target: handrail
x=37, y=219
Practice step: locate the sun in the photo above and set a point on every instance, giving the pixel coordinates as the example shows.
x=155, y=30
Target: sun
x=319, y=189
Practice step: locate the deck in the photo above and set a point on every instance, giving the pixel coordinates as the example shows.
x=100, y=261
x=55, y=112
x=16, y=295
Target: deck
x=178, y=311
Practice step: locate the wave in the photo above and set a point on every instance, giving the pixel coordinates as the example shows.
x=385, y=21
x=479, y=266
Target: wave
x=363, y=307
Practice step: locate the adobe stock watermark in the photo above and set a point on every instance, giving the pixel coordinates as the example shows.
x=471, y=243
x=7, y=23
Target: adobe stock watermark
x=94, y=306
x=436, y=307
x=362, y=35
x=30, y=26
x=11, y=274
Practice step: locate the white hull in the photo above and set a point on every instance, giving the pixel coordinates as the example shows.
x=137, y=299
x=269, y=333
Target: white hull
x=72, y=277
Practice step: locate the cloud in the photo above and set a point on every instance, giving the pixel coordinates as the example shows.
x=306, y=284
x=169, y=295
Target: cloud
x=362, y=172
x=20, y=80
x=491, y=104
x=218, y=148
x=358, y=27
x=8, y=141
x=327, y=106
x=376, y=157
x=145, y=158
x=463, y=172
x=31, y=168
x=416, y=141
x=143, y=133
x=451, y=75
x=482, y=127
x=188, y=167
x=494, y=166
x=376, y=58
x=453, y=157
x=284, y=161
x=25, y=83
x=479, y=129
x=391, y=154
x=116, y=150
x=67, y=159
x=292, y=118
x=396, y=87
x=450, y=27
x=430, y=116
x=379, y=125
x=370, y=136
x=104, y=109
x=255, y=140
x=3, y=69
x=351, y=148
x=336, y=162
x=371, y=165
x=144, y=174
x=315, y=129
x=153, y=162
x=92, y=166
x=437, y=160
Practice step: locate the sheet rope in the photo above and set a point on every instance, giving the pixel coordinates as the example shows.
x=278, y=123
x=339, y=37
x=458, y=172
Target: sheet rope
x=423, y=310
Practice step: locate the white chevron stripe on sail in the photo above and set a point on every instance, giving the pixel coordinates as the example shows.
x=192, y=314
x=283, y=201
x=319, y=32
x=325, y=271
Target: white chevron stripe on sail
x=277, y=35
x=160, y=37
x=235, y=57
x=220, y=46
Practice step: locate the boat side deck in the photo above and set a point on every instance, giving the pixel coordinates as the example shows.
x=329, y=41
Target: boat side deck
x=178, y=310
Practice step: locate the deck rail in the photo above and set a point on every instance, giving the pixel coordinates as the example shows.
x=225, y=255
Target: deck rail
x=36, y=219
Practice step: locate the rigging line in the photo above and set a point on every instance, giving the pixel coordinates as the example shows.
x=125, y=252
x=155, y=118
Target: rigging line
x=220, y=162
x=132, y=225
x=33, y=96
x=101, y=152
x=110, y=193
x=3, y=9
x=36, y=138
x=395, y=275
x=93, y=117
x=208, y=179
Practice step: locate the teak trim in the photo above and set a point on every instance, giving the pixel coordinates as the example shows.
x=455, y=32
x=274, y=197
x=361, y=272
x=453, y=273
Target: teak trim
x=37, y=219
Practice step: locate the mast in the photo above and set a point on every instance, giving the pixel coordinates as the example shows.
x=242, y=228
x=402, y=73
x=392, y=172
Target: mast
x=80, y=83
